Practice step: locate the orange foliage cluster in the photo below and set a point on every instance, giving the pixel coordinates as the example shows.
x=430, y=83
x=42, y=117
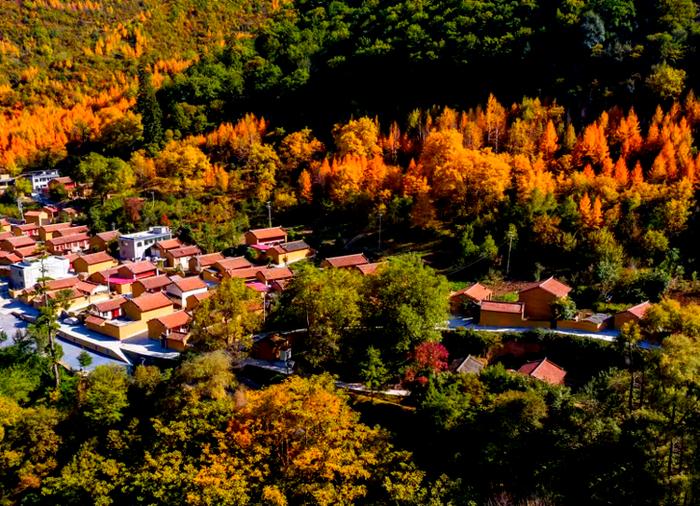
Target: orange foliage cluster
x=44, y=131
x=128, y=40
x=79, y=6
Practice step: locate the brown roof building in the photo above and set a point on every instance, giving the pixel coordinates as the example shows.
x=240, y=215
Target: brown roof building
x=150, y=285
x=95, y=262
x=633, y=314
x=501, y=314
x=266, y=236
x=69, y=243
x=102, y=240
x=345, y=262
x=544, y=370
x=200, y=262
x=538, y=298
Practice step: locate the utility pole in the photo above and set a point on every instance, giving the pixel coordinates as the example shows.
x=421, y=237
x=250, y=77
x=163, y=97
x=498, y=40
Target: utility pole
x=269, y=214
x=380, y=231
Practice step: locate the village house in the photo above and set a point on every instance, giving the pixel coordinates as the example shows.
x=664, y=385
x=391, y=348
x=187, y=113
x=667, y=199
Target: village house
x=472, y=294
x=632, y=314
x=166, y=245
x=345, y=261
x=147, y=306
x=46, y=231
x=200, y=262
x=108, y=309
x=102, y=240
x=134, y=319
x=122, y=278
x=66, y=182
x=72, y=230
x=544, y=370
x=11, y=244
x=103, y=277
x=25, y=274
x=27, y=229
x=171, y=330
x=288, y=253
x=27, y=252
x=265, y=236
x=69, y=243
x=586, y=322
x=470, y=365
x=153, y=284
x=539, y=297
x=141, y=244
x=267, y=276
x=368, y=269
x=94, y=262
x=38, y=217
x=193, y=301
x=39, y=179
x=215, y=272
x=181, y=288
x=137, y=270
x=501, y=314
x=7, y=258
x=246, y=275
x=5, y=226
x=180, y=257
x=273, y=348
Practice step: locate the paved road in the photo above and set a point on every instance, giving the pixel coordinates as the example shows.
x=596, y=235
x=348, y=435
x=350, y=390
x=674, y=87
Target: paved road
x=10, y=324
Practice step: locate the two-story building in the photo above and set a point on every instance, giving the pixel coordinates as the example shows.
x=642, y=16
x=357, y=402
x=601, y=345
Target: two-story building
x=180, y=257
x=68, y=244
x=94, y=262
x=181, y=288
x=141, y=244
x=265, y=236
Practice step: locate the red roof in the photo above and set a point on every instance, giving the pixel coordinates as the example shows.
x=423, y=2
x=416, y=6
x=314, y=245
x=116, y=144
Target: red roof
x=26, y=251
x=544, y=370
x=199, y=297
x=68, y=239
x=210, y=259
x=184, y=251
x=96, y=258
x=56, y=226
x=168, y=244
x=248, y=273
x=60, y=284
x=188, y=284
x=86, y=287
x=174, y=320
x=367, y=269
x=110, y=305
x=62, y=232
x=264, y=234
x=477, y=292
x=347, y=260
x=151, y=301
x=502, y=307
x=275, y=274
x=639, y=310
x=20, y=241
x=551, y=285
x=108, y=236
x=230, y=263
x=135, y=268
x=95, y=320
x=155, y=282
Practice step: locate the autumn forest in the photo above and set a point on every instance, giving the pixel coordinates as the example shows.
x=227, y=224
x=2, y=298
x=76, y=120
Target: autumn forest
x=458, y=141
